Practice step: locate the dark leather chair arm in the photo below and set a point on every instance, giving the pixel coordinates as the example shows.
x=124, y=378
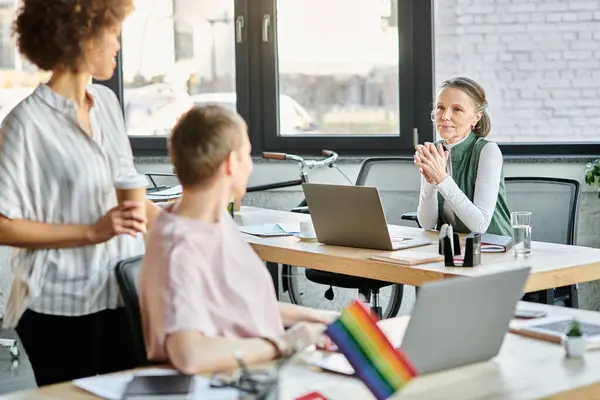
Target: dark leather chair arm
x=410, y=216
x=301, y=210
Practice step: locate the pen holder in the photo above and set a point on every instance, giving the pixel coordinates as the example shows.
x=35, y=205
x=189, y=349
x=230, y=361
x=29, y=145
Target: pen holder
x=472, y=255
x=442, y=246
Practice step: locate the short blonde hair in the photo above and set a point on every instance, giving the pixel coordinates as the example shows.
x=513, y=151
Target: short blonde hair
x=201, y=140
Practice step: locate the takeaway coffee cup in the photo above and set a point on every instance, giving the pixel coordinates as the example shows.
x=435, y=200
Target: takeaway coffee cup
x=132, y=188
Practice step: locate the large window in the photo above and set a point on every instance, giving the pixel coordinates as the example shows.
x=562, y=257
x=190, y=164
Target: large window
x=7, y=48
x=338, y=73
x=305, y=74
x=341, y=74
x=18, y=78
x=176, y=53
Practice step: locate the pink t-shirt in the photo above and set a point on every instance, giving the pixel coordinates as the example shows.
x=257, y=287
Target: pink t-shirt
x=203, y=277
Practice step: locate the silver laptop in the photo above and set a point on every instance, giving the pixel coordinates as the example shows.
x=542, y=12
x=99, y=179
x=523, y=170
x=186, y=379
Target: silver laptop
x=352, y=216
x=459, y=321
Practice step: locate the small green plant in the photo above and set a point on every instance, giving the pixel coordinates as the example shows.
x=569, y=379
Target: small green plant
x=574, y=329
x=592, y=174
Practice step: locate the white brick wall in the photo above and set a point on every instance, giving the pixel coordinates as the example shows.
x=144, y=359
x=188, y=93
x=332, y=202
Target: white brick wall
x=538, y=60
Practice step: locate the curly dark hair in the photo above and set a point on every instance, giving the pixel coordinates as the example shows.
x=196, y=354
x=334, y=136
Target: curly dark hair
x=50, y=33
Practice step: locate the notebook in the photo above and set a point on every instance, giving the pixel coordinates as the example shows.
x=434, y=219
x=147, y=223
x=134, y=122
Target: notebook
x=404, y=257
x=160, y=387
x=494, y=243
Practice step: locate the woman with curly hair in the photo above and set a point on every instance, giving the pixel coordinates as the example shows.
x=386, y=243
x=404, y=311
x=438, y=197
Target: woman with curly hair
x=61, y=150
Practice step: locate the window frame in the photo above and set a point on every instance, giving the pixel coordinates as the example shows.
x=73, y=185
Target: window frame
x=415, y=90
x=256, y=77
x=550, y=149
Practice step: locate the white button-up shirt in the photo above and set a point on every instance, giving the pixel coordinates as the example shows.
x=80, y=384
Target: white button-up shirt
x=51, y=171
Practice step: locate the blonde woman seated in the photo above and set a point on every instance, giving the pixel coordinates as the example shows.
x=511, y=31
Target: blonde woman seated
x=204, y=292
x=462, y=181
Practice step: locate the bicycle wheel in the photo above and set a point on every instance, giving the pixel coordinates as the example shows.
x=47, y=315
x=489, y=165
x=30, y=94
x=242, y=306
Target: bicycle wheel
x=306, y=293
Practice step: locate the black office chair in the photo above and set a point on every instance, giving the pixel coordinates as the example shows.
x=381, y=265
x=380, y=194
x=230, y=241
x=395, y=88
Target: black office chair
x=128, y=275
x=551, y=221
x=378, y=172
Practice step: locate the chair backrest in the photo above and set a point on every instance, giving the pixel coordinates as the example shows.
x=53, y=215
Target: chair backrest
x=554, y=203
x=398, y=182
x=128, y=278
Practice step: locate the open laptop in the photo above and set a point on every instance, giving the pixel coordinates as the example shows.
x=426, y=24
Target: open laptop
x=455, y=321
x=352, y=216
x=459, y=321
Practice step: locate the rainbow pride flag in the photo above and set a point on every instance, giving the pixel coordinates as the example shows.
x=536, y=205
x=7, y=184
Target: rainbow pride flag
x=382, y=368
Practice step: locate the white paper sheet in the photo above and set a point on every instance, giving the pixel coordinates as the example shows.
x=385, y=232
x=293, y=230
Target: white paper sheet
x=266, y=230
x=112, y=387
x=335, y=362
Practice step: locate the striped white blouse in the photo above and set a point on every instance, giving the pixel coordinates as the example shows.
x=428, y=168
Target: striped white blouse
x=51, y=171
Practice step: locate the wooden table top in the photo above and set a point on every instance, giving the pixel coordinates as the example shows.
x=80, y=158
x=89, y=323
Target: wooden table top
x=552, y=265
x=526, y=368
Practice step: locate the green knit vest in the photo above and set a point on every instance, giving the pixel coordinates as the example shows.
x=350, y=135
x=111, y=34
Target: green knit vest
x=465, y=160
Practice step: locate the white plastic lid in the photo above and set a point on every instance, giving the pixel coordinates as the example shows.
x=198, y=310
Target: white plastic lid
x=131, y=182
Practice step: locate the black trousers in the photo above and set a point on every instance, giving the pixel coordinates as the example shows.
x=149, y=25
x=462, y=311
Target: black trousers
x=66, y=348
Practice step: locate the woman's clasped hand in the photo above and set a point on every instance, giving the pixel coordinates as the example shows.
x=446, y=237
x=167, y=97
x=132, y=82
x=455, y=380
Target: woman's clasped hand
x=431, y=161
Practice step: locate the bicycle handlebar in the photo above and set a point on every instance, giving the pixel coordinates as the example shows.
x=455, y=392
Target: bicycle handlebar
x=274, y=156
x=331, y=155
x=331, y=158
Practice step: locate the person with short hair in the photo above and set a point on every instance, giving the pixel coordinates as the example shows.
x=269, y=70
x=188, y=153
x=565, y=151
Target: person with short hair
x=462, y=179
x=204, y=293
x=61, y=150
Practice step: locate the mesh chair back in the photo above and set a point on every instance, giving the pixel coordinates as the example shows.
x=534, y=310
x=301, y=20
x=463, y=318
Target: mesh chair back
x=128, y=279
x=554, y=203
x=398, y=182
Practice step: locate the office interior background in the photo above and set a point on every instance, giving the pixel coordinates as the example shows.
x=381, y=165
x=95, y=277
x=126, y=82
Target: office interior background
x=357, y=77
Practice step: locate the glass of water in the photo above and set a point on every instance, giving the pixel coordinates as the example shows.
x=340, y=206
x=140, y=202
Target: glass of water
x=521, y=233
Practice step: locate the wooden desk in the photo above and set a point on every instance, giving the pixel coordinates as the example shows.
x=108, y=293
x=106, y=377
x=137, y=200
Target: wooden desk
x=552, y=265
x=525, y=369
